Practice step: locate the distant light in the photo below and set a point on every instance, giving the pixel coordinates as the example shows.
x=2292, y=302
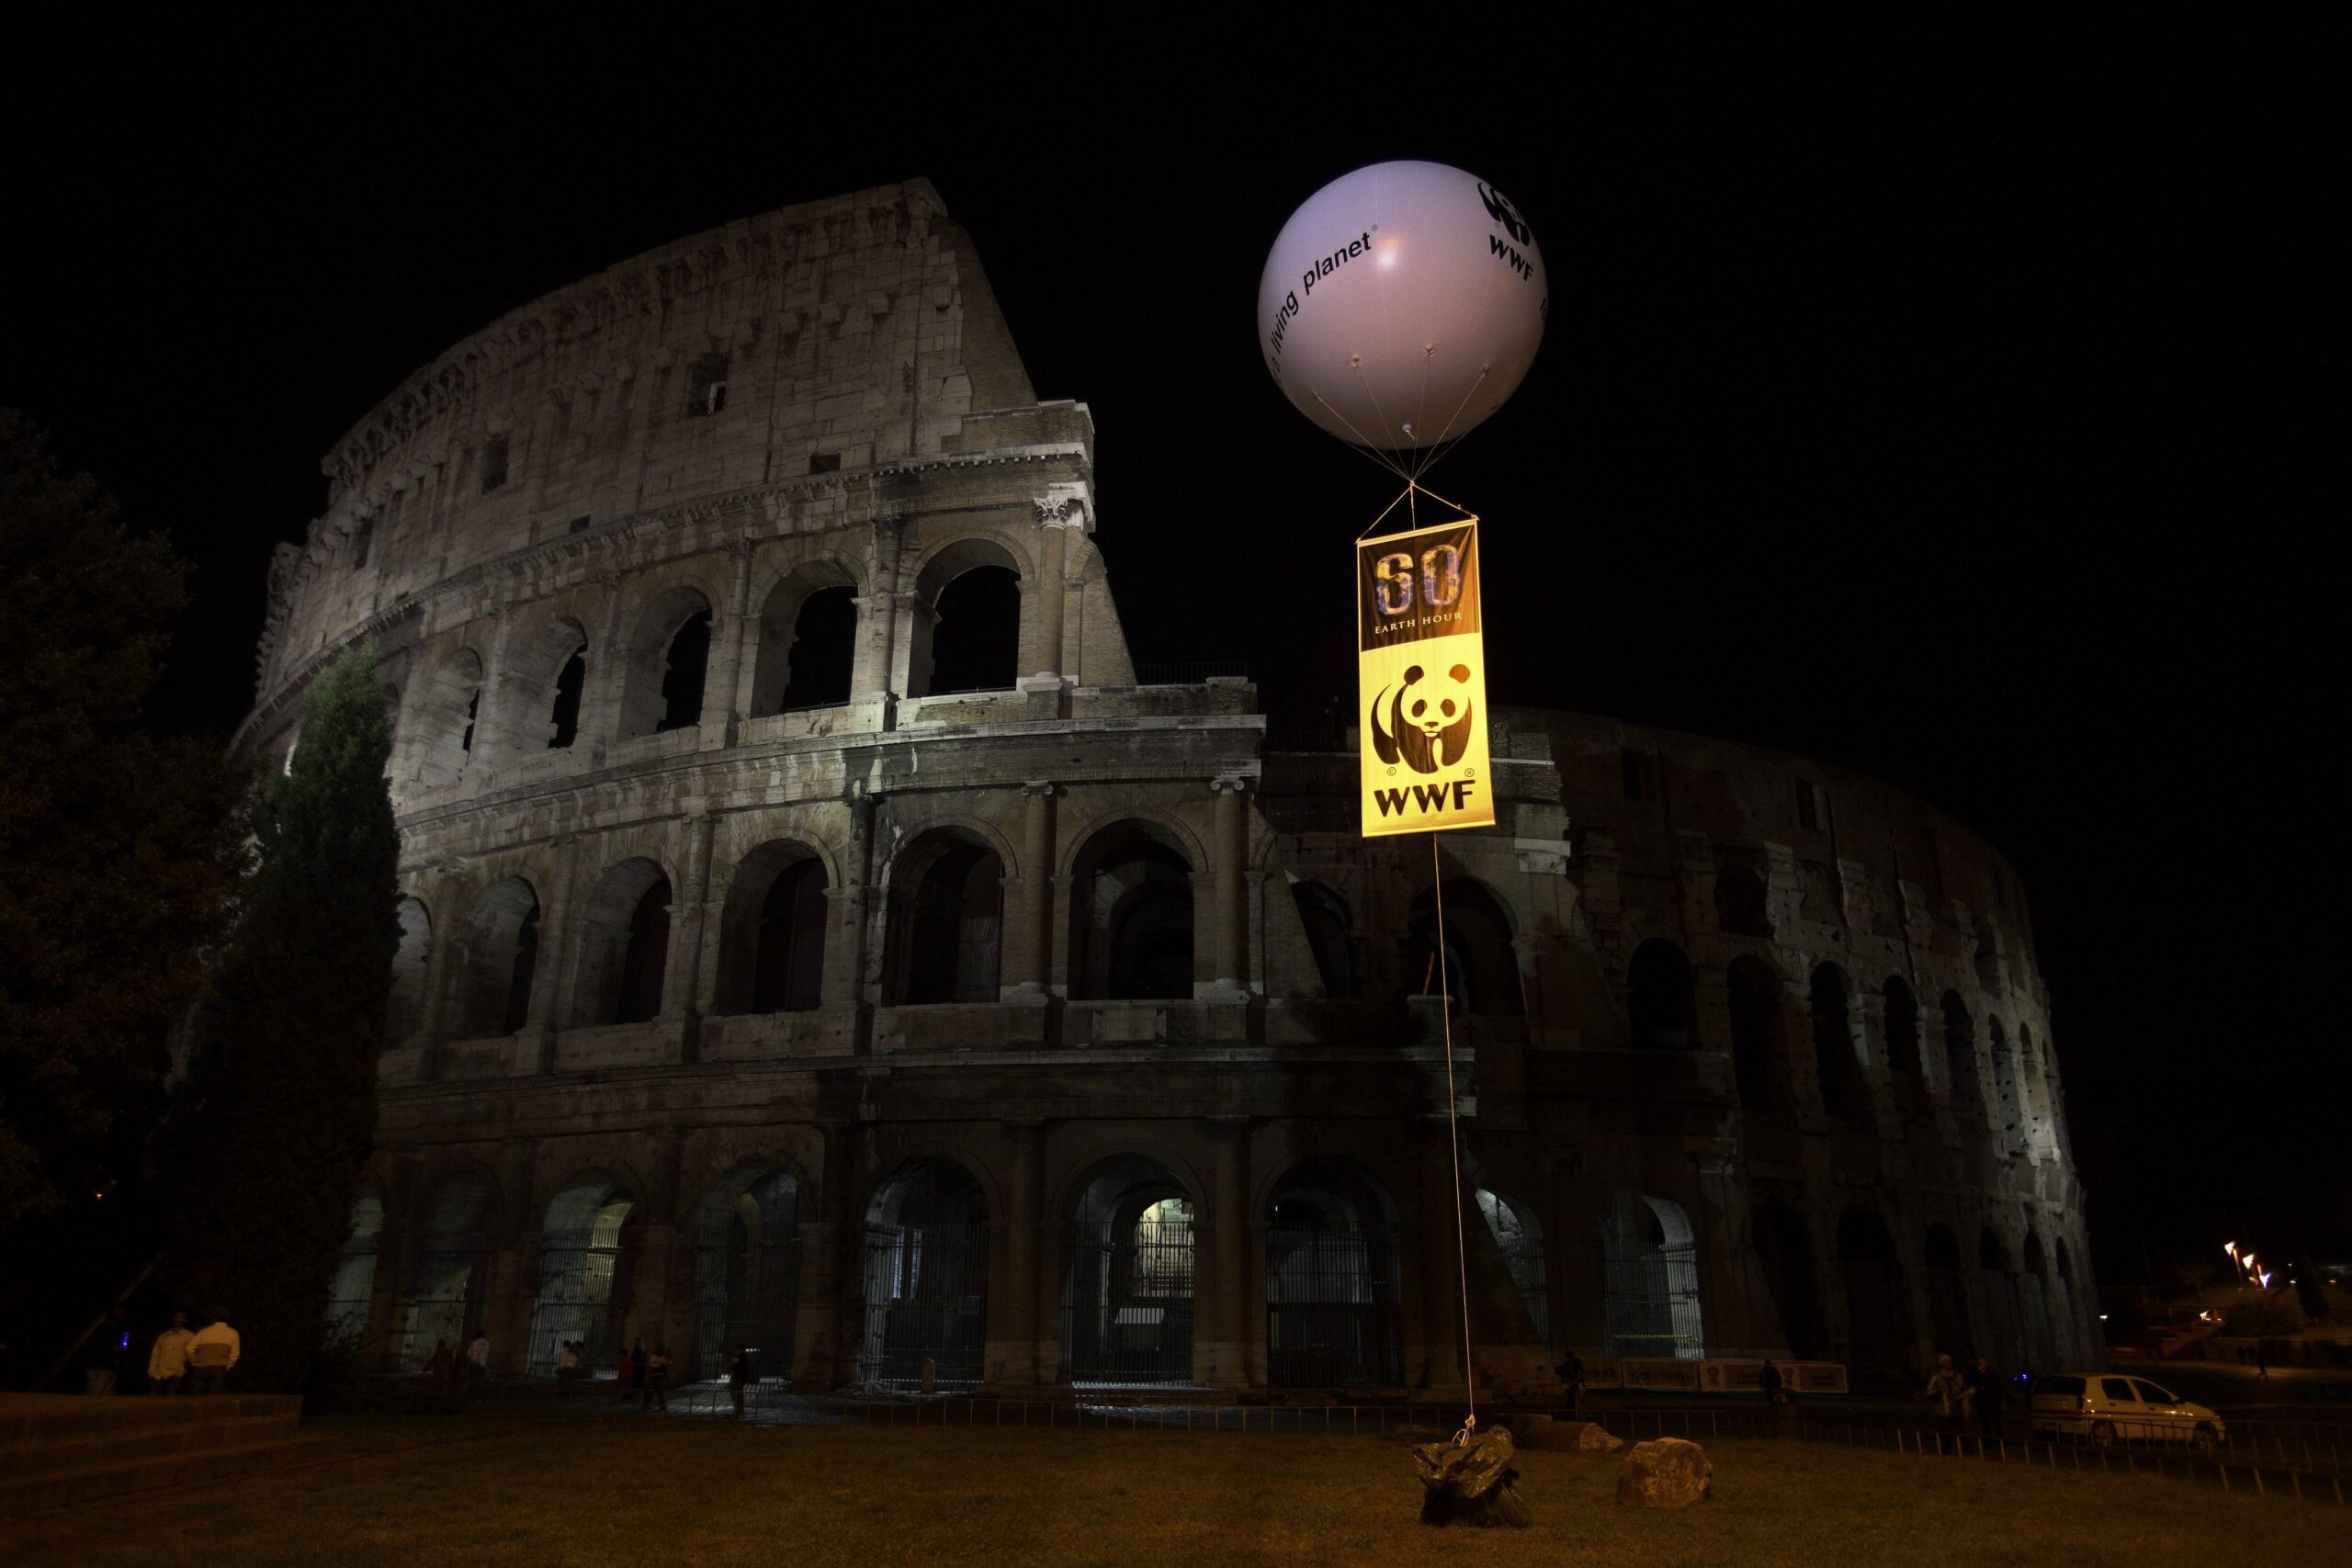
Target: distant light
x=2102, y=1317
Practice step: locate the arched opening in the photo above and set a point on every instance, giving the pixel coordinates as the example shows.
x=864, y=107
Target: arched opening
x=747, y=1272
x=1904, y=1067
x=1127, y=1278
x=2033, y=1295
x=926, y=1280
x=772, y=933
x=404, y=1007
x=1660, y=1001
x=946, y=933
x=1334, y=1293
x=1743, y=906
x=1784, y=1251
x=563, y=714
x=2000, y=1298
x=541, y=692
x=1878, y=1316
x=966, y=633
x=807, y=649
x=1330, y=937
x=1131, y=917
x=1948, y=1297
x=624, y=946
x=1967, y=1095
x=1649, y=1287
x=587, y=1272
x=1481, y=956
x=493, y=990
x=445, y=720
x=1519, y=1236
x=2070, y=1346
x=1833, y=1044
x=1759, y=1046
x=449, y=1290
x=354, y=1275
x=668, y=660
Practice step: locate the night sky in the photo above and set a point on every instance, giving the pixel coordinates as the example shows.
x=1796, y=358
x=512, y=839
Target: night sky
x=1943, y=408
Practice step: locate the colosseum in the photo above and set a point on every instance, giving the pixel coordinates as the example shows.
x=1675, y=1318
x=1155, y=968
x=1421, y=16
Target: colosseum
x=821, y=936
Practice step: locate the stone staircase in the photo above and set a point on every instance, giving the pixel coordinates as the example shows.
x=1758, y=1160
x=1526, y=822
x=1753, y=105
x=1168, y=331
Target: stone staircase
x=57, y=1449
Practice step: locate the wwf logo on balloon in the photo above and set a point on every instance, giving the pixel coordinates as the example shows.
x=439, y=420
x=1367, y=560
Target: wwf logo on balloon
x=1423, y=721
x=1500, y=209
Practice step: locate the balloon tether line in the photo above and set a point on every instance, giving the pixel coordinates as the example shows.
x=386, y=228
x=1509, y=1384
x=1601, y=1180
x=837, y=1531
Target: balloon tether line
x=1454, y=1137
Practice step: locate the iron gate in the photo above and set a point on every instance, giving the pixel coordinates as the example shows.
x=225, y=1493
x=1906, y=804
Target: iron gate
x=1127, y=1302
x=585, y=1294
x=1334, y=1308
x=746, y=1295
x=1649, y=1301
x=927, y=1300
x=448, y=1306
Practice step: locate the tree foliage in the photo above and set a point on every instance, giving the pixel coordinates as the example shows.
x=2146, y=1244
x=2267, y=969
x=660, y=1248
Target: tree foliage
x=120, y=850
x=280, y=1113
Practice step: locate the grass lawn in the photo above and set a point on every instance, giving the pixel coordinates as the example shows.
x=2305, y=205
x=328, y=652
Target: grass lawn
x=626, y=1492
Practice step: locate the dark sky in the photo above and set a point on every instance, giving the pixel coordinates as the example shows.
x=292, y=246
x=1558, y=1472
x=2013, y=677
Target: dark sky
x=1942, y=407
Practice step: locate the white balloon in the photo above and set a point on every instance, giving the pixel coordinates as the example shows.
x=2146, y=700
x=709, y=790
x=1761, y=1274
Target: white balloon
x=1402, y=304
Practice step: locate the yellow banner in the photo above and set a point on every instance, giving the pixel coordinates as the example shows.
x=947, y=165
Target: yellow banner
x=1421, y=682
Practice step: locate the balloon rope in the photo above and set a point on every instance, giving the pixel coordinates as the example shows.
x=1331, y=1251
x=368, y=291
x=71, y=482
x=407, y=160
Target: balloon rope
x=1439, y=450
x=1383, y=514
x=1420, y=454
x=1382, y=414
x=1453, y=1136
x=1364, y=445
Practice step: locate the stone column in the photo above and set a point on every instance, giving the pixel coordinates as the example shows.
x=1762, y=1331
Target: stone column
x=514, y=1264
x=405, y=1216
x=724, y=686
x=681, y=980
x=599, y=703
x=1221, y=1357
x=1033, y=966
x=874, y=664
x=1015, y=1360
x=490, y=716
x=1055, y=516
x=551, y=969
x=1231, y=869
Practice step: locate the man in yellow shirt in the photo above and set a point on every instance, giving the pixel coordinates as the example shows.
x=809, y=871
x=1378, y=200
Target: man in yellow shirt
x=168, y=1363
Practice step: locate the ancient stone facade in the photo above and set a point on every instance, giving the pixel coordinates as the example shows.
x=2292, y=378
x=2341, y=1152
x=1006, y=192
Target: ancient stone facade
x=808, y=950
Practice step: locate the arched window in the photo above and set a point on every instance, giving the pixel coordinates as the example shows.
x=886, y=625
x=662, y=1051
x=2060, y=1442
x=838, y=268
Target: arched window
x=2000, y=1298
x=1833, y=1044
x=449, y=1290
x=1784, y=1252
x=1759, y=1047
x=808, y=641
x=1482, y=959
x=947, y=920
x=667, y=662
x=966, y=631
x=587, y=1272
x=1959, y=1059
x=1948, y=1297
x=445, y=720
x=1330, y=937
x=1334, y=1293
x=1658, y=999
x=2033, y=1295
x=563, y=716
x=547, y=671
x=624, y=952
x=404, y=1007
x=2064, y=1321
x=1902, y=1064
x=1878, y=1316
x=1742, y=906
x=493, y=990
x=747, y=1272
x=354, y=1276
x=772, y=933
x=926, y=1280
x=1131, y=917
x=1519, y=1236
x=1127, y=1278
x=1649, y=1287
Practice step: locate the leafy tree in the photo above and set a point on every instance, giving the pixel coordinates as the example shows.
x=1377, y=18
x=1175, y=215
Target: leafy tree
x=280, y=1109
x=120, y=850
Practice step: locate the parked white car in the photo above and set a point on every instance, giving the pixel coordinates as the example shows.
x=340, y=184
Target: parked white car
x=2109, y=1407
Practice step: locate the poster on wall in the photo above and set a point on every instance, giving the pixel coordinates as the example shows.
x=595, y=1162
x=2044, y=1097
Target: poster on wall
x=1421, y=682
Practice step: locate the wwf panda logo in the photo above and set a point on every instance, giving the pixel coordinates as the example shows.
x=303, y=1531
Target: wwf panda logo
x=1500, y=209
x=1423, y=721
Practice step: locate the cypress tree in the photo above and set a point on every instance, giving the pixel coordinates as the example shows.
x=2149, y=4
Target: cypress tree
x=280, y=1113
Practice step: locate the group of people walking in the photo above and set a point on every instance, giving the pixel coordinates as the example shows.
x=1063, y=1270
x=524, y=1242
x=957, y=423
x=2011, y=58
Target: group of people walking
x=1956, y=1395
x=179, y=1359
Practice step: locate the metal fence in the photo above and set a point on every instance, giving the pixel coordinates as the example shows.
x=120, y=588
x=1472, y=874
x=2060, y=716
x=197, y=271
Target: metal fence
x=926, y=1305
x=1127, y=1303
x=1334, y=1314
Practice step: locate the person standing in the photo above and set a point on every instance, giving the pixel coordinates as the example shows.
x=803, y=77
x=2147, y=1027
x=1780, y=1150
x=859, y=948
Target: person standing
x=168, y=1359
x=567, y=1369
x=1572, y=1381
x=477, y=1364
x=637, y=1371
x=213, y=1354
x=739, y=1375
x=1948, y=1392
x=657, y=1380
x=103, y=1357
x=1984, y=1393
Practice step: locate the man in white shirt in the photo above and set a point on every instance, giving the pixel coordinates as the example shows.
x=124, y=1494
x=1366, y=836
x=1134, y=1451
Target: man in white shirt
x=476, y=1363
x=212, y=1353
x=168, y=1363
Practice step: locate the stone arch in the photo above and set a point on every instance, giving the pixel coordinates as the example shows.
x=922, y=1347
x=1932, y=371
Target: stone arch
x=490, y=993
x=1481, y=948
x=1785, y=1250
x=771, y=931
x=1947, y=1296
x=666, y=661
x=624, y=946
x=746, y=1236
x=2067, y=1317
x=926, y=1279
x=1519, y=1236
x=1661, y=1004
x=404, y=1005
x=443, y=729
x=1994, y=1278
x=355, y=1277
x=589, y=1242
x=1962, y=1087
x=945, y=936
x=447, y=1292
x=1649, y=1286
x=1837, y=1072
x=1905, y=1065
x=1878, y=1309
x=807, y=640
x=981, y=645
x=1131, y=914
x=1759, y=1036
x=546, y=675
x=1127, y=1272
x=1334, y=1285
x=2033, y=1295
x=1330, y=937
